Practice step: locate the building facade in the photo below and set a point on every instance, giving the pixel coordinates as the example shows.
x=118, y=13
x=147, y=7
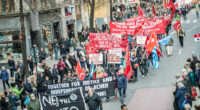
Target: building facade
x=45, y=20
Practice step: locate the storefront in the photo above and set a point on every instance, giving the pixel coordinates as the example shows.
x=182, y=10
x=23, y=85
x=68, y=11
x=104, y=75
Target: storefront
x=8, y=47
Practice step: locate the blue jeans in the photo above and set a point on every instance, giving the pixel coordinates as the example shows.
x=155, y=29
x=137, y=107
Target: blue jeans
x=14, y=108
x=197, y=13
x=148, y=63
x=56, y=53
x=121, y=93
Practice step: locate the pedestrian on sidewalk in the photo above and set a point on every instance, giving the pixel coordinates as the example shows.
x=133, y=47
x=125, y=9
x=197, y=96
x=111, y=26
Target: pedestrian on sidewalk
x=11, y=64
x=55, y=73
x=35, y=54
x=5, y=77
x=180, y=95
x=13, y=100
x=30, y=63
x=50, y=48
x=55, y=47
x=61, y=69
x=181, y=35
x=42, y=54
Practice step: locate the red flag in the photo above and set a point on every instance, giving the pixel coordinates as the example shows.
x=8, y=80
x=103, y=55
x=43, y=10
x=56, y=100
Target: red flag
x=138, y=30
x=152, y=42
x=79, y=71
x=172, y=6
x=153, y=10
x=140, y=11
x=128, y=71
x=177, y=26
x=91, y=50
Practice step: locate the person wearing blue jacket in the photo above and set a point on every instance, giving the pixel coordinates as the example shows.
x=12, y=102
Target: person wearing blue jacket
x=180, y=95
x=5, y=77
x=121, y=85
x=55, y=73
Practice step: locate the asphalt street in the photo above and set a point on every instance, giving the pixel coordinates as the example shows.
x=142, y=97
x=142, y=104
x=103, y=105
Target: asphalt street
x=169, y=66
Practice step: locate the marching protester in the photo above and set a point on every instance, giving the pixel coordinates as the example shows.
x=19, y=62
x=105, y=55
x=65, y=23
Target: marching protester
x=181, y=35
x=121, y=85
x=93, y=100
x=134, y=64
x=34, y=103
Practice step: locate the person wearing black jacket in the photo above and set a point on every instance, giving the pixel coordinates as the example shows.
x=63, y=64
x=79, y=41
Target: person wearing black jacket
x=143, y=65
x=42, y=54
x=30, y=63
x=40, y=88
x=134, y=63
x=11, y=64
x=18, y=77
x=93, y=100
x=47, y=72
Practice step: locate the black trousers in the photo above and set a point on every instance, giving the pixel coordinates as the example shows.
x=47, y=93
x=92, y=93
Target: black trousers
x=181, y=40
x=143, y=69
x=4, y=84
x=135, y=73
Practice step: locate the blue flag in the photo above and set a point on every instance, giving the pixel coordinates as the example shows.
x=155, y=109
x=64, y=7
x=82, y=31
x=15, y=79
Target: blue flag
x=165, y=40
x=155, y=58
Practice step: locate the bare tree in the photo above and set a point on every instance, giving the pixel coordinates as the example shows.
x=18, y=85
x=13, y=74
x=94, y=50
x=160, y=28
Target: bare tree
x=92, y=7
x=111, y=10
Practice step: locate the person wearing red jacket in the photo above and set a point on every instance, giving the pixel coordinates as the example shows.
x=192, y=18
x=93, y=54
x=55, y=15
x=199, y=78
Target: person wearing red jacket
x=61, y=69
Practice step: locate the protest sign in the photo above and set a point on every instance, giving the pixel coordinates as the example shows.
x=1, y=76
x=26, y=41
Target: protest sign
x=69, y=101
x=103, y=87
x=96, y=58
x=141, y=39
x=114, y=56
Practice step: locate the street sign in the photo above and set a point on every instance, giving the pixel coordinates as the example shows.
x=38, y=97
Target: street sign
x=197, y=37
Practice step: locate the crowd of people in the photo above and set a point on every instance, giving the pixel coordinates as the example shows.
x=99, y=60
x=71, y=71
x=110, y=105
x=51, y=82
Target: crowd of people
x=22, y=91
x=187, y=84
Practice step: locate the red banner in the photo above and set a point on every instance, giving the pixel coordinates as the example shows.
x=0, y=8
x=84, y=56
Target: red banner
x=123, y=28
x=100, y=40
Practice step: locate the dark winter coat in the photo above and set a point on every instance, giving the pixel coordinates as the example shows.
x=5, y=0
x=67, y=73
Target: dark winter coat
x=4, y=75
x=180, y=96
x=48, y=73
x=93, y=102
x=193, y=64
x=42, y=55
x=28, y=88
x=121, y=81
x=55, y=74
x=198, y=76
x=11, y=63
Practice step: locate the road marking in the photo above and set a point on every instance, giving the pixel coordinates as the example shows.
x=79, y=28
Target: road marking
x=188, y=21
x=180, y=52
x=195, y=21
